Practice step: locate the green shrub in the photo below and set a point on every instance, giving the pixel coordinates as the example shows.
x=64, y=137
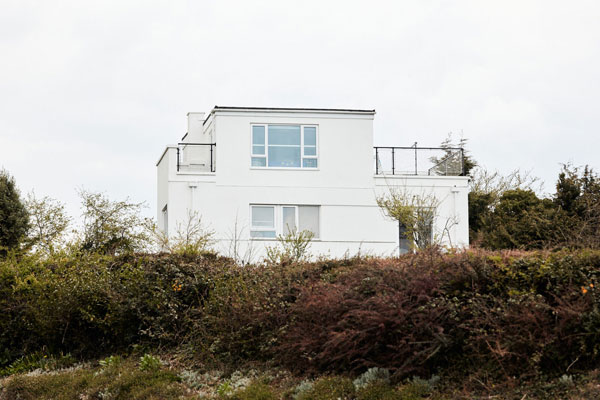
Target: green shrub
x=49, y=222
x=110, y=363
x=521, y=220
x=88, y=305
x=224, y=389
x=378, y=390
x=291, y=247
x=255, y=391
x=247, y=310
x=150, y=363
x=330, y=388
x=111, y=227
x=38, y=360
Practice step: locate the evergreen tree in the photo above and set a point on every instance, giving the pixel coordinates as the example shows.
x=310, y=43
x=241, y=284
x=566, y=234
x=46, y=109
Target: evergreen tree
x=578, y=196
x=14, y=219
x=568, y=190
x=520, y=220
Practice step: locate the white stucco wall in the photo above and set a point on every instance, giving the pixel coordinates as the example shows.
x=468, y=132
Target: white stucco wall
x=344, y=141
x=344, y=186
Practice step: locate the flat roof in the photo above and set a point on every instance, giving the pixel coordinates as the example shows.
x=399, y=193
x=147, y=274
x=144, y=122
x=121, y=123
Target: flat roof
x=288, y=110
x=296, y=109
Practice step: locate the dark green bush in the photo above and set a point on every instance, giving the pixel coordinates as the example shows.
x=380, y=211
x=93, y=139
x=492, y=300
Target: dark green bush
x=89, y=305
x=521, y=220
x=14, y=218
x=506, y=213
x=247, y=311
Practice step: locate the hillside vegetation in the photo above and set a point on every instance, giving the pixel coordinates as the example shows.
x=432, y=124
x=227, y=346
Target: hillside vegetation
x=478, y=320
x=93, y=310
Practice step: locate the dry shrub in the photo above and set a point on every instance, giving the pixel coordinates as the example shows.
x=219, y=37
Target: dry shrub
x=372, y=315
x=508, y=313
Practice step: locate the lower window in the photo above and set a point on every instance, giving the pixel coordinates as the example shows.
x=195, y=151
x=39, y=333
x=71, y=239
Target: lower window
x=268, y=221
x=420, y=234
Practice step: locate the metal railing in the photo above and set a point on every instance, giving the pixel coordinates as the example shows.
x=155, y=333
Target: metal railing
x=196, y=157
x=413, y=160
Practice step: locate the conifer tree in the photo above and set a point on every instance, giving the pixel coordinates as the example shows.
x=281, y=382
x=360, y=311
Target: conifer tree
x=14, y=219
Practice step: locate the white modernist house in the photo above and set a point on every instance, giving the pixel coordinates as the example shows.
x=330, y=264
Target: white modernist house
x=253, y=174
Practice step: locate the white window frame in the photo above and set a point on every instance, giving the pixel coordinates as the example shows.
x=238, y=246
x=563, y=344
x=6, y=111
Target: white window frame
x=296, y=222
x=278, y=220
x=266, y=153
x=264, y=228
x=302, y=155
x=431, y=223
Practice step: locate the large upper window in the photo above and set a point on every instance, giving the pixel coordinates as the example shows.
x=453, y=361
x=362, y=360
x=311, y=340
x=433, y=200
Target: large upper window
x=268, y=221
x=284, y=146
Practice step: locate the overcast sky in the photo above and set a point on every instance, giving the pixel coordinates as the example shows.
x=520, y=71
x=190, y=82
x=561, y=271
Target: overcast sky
x=91, y=92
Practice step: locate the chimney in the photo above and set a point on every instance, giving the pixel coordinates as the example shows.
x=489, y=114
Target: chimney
x=195, y=128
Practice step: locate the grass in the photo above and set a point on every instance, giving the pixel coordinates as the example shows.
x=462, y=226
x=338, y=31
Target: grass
x=125, y=381
x=116, y=378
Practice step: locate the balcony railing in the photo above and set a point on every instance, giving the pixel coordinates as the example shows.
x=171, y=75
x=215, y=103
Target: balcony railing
x=445, y=161
x=196, y=157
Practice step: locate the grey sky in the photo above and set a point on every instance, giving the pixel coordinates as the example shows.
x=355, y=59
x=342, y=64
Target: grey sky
x=90, y=92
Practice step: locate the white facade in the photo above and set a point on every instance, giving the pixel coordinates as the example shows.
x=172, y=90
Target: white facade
x=250, y=172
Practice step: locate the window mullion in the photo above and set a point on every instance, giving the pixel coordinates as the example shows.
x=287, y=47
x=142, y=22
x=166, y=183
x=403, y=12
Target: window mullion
x=301, y=145
x=267, y=146
x=278, y=220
